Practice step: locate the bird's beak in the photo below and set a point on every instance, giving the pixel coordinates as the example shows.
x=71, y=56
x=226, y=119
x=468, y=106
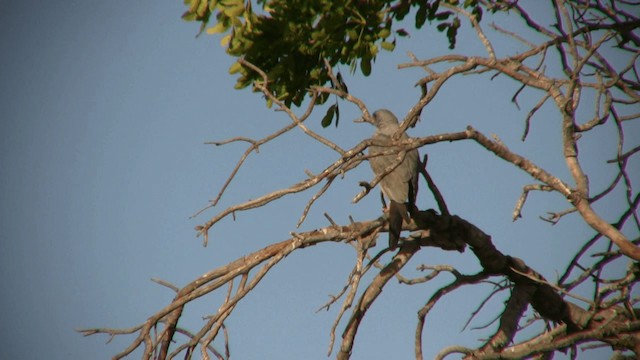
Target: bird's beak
x=362, y=119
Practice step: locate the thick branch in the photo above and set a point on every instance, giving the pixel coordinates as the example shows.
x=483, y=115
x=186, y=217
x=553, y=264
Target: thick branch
x=371, y=294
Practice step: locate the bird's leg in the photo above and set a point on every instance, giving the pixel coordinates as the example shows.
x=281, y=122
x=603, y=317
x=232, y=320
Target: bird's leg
x=411, y=204
x=384, y=203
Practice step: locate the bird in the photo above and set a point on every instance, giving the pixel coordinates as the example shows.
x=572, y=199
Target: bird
x=400, y=185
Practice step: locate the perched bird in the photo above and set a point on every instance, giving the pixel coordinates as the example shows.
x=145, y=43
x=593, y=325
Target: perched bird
x=400, y=185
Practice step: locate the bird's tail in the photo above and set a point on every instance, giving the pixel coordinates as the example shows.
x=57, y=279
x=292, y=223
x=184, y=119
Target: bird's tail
x=397, y=213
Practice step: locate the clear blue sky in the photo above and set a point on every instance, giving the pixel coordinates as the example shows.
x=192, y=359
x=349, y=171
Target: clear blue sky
x=104, y=109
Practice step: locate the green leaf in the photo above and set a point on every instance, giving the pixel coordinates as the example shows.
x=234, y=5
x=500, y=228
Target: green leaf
x=202, y=8
x=402, y=32
x=235, y=68
x=234, y=10
x=218, y=28
x=328, y=117
x=224, y=42
x=337, y=114
x=421, y=16
x=402, y=10
x=194, y=6
x=341, y=84
x=353, y=35
x=477, y=11
x=443, y=15
x=388, y=46
x=433, y=9
x=322, y=98
x=373, y=50
x=315, y=73
x=452, y=32
x=365, y=66
x=187, y=16
x=240, y=85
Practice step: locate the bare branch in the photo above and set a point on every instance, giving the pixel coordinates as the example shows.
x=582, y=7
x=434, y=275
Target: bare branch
x=527, y=121
x=299, y=122
x=517, y=212
x=166, y=284
x=476, y=26
x=571, y=66
x=374, y=289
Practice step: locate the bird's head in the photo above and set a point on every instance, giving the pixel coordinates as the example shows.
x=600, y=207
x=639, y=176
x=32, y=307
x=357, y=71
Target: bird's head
x=383, y=120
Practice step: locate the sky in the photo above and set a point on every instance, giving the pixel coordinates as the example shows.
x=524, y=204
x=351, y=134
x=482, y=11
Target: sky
x=105, y=108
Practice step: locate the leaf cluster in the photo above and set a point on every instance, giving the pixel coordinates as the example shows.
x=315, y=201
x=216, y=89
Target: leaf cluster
x=289, y=39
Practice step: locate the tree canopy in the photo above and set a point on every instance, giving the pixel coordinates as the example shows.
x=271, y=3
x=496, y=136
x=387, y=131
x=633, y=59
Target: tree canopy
x=290, y=39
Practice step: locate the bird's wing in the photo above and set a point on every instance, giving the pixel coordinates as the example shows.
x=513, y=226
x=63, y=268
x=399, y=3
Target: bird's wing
x=413, y=158
x=396, y=184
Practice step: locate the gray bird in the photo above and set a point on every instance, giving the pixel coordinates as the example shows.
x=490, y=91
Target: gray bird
x=401, y=184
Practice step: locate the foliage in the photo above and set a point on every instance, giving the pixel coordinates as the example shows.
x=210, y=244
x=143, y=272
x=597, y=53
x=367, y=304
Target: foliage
x=289, y=39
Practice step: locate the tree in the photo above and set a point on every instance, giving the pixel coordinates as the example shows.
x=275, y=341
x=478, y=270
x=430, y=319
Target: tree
x=583, y=66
